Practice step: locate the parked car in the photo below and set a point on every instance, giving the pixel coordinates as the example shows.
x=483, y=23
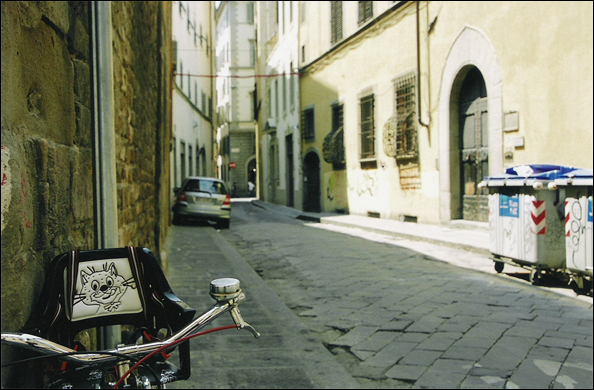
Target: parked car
x=203, y=198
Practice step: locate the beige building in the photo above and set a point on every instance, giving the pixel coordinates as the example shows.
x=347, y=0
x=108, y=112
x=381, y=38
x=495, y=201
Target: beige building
x=430, y=97
x=193, y=90
x=278, y=109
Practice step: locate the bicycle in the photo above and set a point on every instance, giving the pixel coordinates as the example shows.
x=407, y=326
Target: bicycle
x=122, y=286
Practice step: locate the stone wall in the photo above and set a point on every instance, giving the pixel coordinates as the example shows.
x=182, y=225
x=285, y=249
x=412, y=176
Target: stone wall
x=142, y=85
x=47, y=137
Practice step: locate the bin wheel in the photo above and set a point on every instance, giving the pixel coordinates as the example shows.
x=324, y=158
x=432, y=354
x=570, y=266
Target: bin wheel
x=535, y=276
x=499, y=266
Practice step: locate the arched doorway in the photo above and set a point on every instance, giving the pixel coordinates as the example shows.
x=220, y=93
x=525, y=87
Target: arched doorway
x=311, y=183
x=470, y=50
x=473, y=117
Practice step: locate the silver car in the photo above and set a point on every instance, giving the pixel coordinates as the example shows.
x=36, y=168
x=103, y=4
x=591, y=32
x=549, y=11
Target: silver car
x=202, y=198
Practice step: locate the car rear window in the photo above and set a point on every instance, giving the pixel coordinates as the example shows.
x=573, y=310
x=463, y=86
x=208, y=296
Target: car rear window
x=210, y=186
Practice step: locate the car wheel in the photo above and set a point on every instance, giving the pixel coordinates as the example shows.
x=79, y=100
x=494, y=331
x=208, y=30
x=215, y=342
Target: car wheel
x=223, y=224
x=176, y=219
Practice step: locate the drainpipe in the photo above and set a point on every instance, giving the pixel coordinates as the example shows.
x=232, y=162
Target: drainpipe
x=106, y=212
x=419, y=115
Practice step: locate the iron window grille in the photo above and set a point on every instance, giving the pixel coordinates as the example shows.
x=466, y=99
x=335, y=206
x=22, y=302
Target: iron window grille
x=333, y=148
x=308, y=124
x=406, y=125
x=367, y=127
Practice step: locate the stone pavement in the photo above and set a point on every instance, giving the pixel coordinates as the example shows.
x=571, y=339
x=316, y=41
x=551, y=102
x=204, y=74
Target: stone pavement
x=442, y=335
x=285, y=356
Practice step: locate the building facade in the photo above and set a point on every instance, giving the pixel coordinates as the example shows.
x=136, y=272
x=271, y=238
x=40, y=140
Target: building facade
x=193, y=91
x=406, y=106
x=235, y=86
x=278, y=103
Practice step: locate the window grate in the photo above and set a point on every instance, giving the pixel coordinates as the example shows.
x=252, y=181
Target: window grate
x=406, y=125
x=367, y=127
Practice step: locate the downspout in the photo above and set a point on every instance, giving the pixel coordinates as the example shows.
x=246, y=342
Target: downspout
x=104, y=165
x=419, y=115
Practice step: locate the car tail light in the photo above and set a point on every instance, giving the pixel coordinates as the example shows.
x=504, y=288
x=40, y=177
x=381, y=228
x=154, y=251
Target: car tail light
x=182, y=196
x=227, y=201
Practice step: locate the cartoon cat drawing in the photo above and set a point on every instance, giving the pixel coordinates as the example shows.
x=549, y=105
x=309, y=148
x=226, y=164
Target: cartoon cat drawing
x=104, y=288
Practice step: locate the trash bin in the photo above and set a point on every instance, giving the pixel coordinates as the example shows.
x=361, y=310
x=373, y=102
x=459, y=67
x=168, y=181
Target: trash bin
x=526, y=219
x=576, y=188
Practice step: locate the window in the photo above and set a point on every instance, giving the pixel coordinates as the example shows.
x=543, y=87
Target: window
x=406, y=125
x=365, y=11
x=308, y=124
x=276, y=99
x=291, y=88
x=335, y=21
x=190, y=159
x=367, y=127
x=252, y=53
x=250, y=13
x=284, y=93
x=333, y=147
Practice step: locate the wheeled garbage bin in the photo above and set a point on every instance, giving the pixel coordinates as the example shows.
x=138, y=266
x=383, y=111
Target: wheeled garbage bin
x=576, y=188
x=526, y=220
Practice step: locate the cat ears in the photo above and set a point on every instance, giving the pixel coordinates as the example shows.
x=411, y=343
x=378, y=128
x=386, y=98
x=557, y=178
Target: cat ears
x=111, y=269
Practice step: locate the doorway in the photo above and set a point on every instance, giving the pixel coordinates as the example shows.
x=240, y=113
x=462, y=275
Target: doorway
x=311, y=183
x=290, y=168
x=473, y=139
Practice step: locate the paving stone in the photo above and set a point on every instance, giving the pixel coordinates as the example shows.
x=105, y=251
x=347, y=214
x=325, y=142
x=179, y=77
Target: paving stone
x=507, y=352
x=420, y=358
x=406, y=373
x=437, y=342
x=355, y=336
x=521, y=331
x=468, y=353
x=535, y=374
x=556, y=342
x=390, y=355
x=396, y=325
x=483, y=382
x=376, y=342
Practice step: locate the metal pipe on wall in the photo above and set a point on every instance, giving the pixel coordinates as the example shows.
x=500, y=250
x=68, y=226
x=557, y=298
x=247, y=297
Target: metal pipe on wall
x=104, y=165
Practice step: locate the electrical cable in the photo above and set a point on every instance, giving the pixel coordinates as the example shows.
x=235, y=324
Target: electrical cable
x=212, y=76
x=127, y=373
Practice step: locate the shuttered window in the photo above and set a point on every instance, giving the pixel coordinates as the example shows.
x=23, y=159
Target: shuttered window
x=365, y=11
x=367, y=127
x=335, y=21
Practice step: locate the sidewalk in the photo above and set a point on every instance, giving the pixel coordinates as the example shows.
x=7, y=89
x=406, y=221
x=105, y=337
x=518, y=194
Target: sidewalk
x=465, y=235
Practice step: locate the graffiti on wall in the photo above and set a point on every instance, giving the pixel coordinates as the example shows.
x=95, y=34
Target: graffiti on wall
x=365, y=182
x=336, y=193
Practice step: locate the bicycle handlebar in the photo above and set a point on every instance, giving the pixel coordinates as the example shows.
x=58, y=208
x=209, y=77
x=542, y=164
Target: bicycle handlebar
x=225, y=291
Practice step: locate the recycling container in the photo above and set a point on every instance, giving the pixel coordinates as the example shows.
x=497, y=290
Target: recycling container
x=526, y=219
x=576, y=187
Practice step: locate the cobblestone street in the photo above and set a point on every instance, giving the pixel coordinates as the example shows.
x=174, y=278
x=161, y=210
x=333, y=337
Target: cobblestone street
x=397, y=318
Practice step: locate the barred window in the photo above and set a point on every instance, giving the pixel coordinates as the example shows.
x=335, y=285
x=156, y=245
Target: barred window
x=406, y=125
x=308, y=131
x=365, y=11
x=367, y=127
x=335, y=21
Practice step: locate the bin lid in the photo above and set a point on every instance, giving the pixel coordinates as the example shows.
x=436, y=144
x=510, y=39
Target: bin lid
x=527, y=175
x=578, y=177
